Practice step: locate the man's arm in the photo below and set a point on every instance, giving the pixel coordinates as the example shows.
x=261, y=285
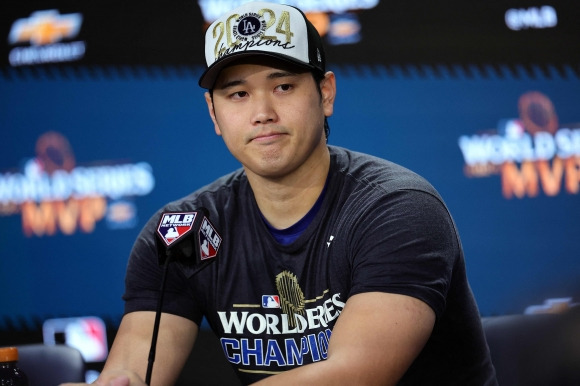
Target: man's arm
x=132, y=344
x=129, y=355
x=374, y=341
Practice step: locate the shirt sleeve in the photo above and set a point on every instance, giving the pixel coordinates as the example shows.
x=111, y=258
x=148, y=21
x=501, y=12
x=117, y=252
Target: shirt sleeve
x=409, y=246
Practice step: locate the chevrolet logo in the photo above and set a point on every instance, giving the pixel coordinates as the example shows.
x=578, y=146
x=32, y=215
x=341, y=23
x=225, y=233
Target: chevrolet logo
x=45, y=27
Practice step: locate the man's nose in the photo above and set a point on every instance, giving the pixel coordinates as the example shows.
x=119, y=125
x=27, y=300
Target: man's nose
x=264, y=111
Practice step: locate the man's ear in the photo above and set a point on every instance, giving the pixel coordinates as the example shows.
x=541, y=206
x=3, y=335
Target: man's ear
x=328, y=91
x=211, y=110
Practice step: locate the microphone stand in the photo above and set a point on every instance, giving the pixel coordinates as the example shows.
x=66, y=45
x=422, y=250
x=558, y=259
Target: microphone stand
x=157, y=322
x=188, y=251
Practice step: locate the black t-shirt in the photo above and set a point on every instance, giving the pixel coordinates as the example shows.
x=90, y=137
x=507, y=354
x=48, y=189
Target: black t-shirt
x=380, y=228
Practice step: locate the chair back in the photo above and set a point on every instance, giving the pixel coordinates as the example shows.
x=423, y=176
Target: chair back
x=51, y=365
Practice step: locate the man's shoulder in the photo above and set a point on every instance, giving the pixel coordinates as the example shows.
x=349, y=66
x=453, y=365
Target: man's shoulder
x=213, y=194
x=377, y=172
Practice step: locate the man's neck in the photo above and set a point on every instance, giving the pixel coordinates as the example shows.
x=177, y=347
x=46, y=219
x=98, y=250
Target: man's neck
x=284, y=201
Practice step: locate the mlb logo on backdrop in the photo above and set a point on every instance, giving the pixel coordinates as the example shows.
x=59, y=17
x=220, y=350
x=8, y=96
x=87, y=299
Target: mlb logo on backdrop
x=270, y=301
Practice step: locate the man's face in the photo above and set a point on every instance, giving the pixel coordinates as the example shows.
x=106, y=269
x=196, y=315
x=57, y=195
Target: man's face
x=270, y=116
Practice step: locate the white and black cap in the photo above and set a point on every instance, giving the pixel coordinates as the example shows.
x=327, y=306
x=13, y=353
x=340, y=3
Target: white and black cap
x=261, y=28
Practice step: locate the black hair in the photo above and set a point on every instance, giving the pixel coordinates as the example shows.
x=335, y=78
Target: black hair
x=318, y=78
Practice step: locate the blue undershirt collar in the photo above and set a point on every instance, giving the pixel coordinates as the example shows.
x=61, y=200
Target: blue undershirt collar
x=289, y=235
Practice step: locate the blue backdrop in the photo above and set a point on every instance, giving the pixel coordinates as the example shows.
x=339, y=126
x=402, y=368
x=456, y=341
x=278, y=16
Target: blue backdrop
x=152, y=124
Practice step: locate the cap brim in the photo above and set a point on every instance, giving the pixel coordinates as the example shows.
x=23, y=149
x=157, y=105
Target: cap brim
x=209, y=76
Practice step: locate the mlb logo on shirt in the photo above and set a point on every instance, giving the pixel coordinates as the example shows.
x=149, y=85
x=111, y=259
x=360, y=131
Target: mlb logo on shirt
x=270, y=301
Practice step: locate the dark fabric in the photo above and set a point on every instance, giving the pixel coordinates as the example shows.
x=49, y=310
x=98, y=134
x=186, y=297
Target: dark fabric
x=381, y=228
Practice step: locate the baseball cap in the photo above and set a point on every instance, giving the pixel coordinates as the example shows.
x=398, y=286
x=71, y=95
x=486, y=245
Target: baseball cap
x=261, y=28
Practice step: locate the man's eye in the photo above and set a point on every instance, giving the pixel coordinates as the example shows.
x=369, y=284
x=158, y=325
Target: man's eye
x=239, y=94
x=285, y=87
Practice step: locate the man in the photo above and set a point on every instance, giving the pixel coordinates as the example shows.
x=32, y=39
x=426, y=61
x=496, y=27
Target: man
x=334, y=267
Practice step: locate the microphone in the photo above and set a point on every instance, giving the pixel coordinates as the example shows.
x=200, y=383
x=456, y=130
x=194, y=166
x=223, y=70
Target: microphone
x=192, y=241
x=187, y=237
